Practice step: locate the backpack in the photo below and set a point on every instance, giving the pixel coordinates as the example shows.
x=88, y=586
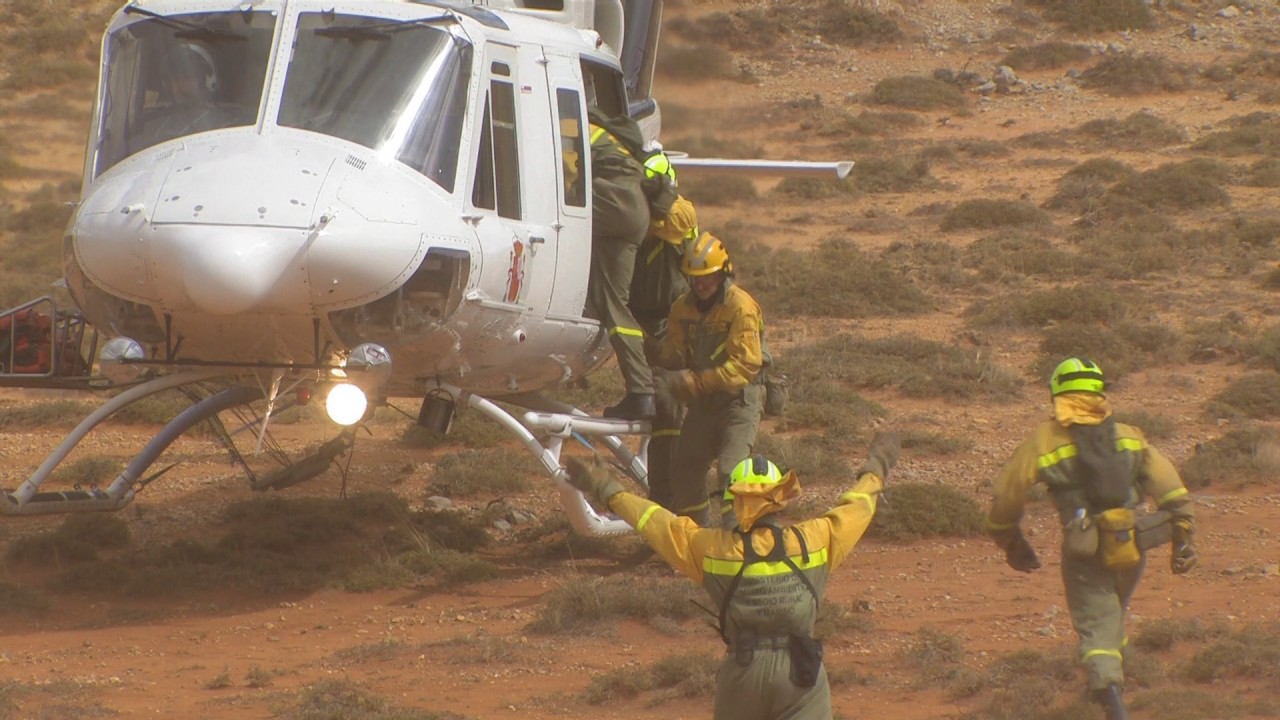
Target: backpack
x=659, y=188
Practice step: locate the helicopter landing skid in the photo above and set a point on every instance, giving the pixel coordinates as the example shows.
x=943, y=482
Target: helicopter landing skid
x=562, y=423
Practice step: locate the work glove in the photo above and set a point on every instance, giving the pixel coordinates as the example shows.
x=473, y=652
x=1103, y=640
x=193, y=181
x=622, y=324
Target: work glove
x=1020, y=555
x=684, y=386
x=597, y=485
x=882, y=455
x=1184, y=556
x=664, y=382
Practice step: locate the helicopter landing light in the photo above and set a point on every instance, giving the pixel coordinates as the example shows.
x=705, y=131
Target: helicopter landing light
x=116, y=359
x=346, y=404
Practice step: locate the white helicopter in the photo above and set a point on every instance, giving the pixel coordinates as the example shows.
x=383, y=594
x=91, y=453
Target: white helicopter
x=281, y=196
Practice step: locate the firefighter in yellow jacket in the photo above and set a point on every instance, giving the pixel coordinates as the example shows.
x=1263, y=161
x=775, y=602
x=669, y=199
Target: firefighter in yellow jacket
x=1097, y=471
x=657, y=283
x=714, y=350
x=765, y=579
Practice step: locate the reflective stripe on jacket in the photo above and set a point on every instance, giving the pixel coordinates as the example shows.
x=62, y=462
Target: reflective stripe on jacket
x=1049, y=456
x=769, y=599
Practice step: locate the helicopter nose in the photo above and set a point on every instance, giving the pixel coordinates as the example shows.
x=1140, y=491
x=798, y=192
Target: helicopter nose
x=225, y=271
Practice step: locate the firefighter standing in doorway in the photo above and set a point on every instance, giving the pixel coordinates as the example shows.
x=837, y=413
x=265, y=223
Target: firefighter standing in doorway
x=619, y=223
x=1097, y=471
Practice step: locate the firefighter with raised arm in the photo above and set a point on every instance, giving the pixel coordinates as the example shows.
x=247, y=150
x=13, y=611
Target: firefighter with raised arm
x=1097, y=471
x=765, y=579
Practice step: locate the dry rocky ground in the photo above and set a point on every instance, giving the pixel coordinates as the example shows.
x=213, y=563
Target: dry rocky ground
x=923, y=619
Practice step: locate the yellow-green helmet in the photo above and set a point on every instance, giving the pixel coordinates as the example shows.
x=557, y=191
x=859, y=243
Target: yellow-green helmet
x=755, y=470
x=1076, y=375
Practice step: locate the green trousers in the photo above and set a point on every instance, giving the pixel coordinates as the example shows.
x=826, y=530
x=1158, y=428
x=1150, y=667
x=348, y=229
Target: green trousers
x=623, y=220
x=719, y=428
x=763, y=690
x=1097, y=598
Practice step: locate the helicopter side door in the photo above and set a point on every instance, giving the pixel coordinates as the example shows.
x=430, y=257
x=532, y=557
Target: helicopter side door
x=573, y=178
x=512, y=215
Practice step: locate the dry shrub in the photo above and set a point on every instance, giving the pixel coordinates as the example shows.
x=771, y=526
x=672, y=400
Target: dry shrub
x=917, y=93
x=706, y=145
x=835, y=279
x=1121, y=347
x=1081, y=304
x=1186, y=185
x=1136, y=75
x=1233, y=460
x=1082, y=187
x=984, y=213
x=474, y=472
x=1264, y=172
x=1087, y=16
x=1254, y=134
x=1046, y=56
x=892, y=174
x=695, y=63
x=746, y=28
x=758, y=28
x=582, y=601
x=1251, y=652
x=929, y=262
x=917, y=367
x=1253, y=396
x=718, y=190
x=1142, y=130
x=911, y=511
x=1153, y=426
x=1016, y=254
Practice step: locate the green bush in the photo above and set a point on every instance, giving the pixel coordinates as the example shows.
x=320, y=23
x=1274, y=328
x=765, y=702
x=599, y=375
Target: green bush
x=473, y=472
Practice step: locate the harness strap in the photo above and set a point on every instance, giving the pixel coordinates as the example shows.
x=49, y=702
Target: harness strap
x=777, y=554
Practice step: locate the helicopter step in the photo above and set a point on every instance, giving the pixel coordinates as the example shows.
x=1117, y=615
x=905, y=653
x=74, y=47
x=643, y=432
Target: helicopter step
x=42, y=346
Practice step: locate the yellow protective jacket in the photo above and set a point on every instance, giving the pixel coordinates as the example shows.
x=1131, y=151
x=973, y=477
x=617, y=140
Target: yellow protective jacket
x=721, y=346
x=1049, y=456
x=770, y=600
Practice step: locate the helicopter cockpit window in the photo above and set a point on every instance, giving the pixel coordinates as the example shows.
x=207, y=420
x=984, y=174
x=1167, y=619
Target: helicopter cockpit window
x=398, y=88
x=569, y=109
x=177, y=75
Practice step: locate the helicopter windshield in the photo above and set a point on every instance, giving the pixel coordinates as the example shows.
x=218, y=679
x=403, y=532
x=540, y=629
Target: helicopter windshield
x=396, y=87
x=171, y=76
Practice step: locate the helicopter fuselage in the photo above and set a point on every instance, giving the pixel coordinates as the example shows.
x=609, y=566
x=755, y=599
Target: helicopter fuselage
x=271, y=184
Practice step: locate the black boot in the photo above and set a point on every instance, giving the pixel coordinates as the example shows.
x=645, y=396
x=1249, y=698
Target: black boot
x=1112, y=704
x=634, y=406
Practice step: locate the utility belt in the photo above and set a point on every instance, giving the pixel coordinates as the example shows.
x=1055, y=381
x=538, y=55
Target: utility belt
x=805, y=651
x=747, y=641
x=1117, y=536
